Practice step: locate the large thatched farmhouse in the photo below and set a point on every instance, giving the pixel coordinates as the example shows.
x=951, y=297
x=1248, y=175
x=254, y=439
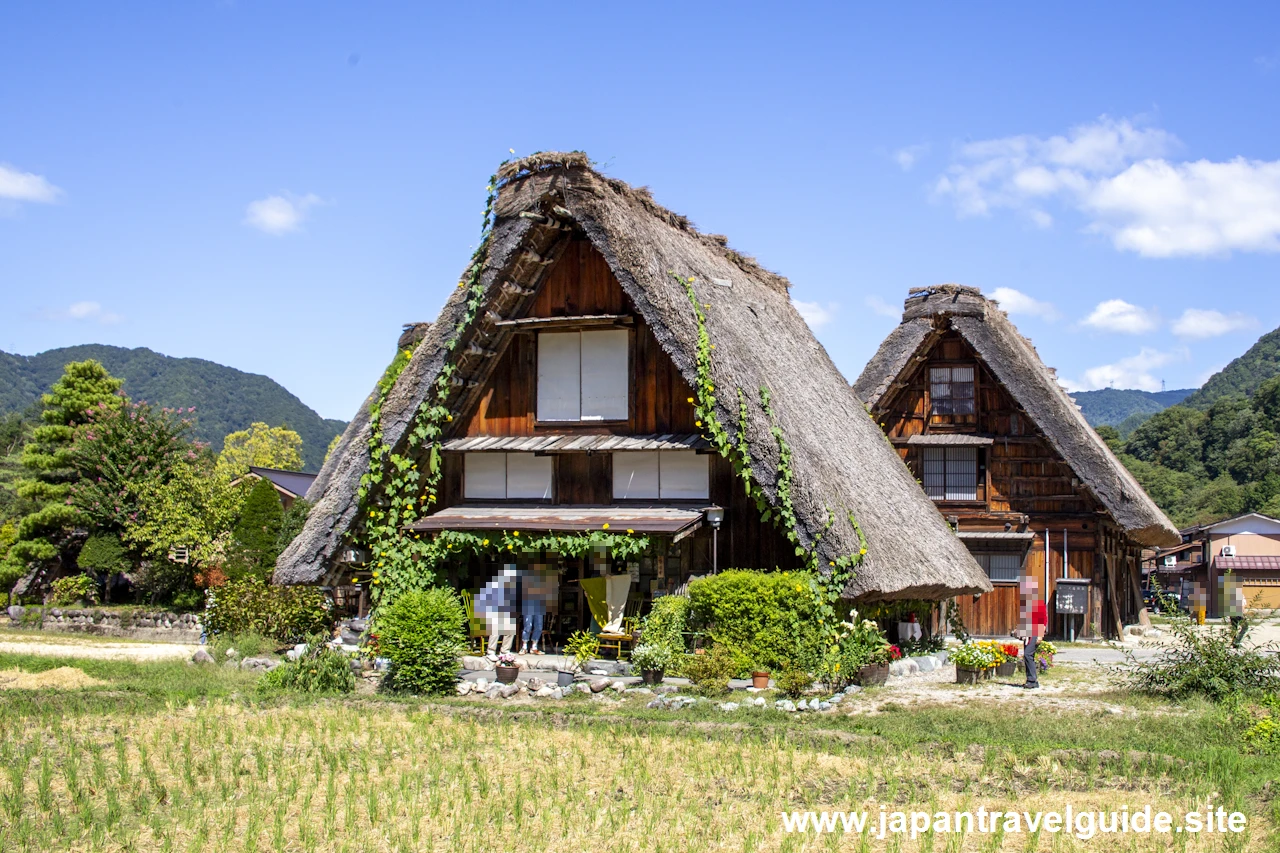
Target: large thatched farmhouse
x=1010, y=460
x=612, y=385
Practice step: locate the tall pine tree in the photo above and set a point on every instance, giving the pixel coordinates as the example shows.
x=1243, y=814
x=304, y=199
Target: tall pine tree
x=256, y=538
x=43, y=532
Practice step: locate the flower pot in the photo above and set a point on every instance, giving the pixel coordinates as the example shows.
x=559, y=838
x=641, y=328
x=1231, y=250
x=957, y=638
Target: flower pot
x=1007, y=668
x=988, y=673
x=873, y=674
x=651, y=676
x=965, y=675
x=507, y=674
x=564, y=677
x=760, y=680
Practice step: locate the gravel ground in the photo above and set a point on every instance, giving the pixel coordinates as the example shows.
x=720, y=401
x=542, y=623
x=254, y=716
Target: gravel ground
x=64, y=645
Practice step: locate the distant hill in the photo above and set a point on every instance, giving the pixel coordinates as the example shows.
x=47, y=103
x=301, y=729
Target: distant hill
x=1242, y=376
x=226, y=399
x=1115, y=406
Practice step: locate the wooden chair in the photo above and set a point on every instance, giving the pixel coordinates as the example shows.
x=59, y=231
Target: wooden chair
x=609, y=640
x=477, y=630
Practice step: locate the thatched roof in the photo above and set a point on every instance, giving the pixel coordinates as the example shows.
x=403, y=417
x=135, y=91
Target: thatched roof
x=930, y=312
x=841, y=463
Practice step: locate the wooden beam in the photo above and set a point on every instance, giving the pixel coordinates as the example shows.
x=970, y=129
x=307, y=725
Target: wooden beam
x=542, y=323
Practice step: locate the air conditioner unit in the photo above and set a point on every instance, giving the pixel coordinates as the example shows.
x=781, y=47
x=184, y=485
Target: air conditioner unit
x=1228, y=550
x=1171, y=560
x=355, y=556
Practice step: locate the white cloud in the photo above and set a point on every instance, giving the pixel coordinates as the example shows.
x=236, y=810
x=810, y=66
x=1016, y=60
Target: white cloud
x=883, y=308
x=1201, y=323
x=907, y=157
x=1131, y=372
x=1119, y=176
x=19, y=186
x=1116, y=315
x=85, y=311
x=1017, y=302
x=280, y=214
x=815, y=313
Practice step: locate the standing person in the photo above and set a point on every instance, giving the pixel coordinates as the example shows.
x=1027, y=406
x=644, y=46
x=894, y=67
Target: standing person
x=539, y=587
x=1035, y=621
x=1236, y=603
x=497, y=604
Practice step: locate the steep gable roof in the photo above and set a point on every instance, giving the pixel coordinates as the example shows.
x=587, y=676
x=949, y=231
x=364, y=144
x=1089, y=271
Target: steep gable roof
x=841, y=463
x=929, y=312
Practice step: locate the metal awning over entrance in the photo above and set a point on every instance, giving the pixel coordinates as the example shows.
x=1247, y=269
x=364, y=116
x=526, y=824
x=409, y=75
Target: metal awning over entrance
x=668, y=521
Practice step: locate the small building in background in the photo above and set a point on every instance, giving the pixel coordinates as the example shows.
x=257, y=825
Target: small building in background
x=1247, y=546
x=289, y=485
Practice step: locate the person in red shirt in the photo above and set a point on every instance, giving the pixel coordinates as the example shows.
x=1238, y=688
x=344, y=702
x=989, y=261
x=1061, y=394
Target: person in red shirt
x=1035, y=621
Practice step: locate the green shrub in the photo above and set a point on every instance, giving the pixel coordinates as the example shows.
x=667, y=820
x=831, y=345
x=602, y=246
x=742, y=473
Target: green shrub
x=320, y=670
x=1202, y=661
x=665, y=627
x=423, y=633
x=285, y=613
x=254, y=542
x=710, y=671
x=768, y=620
x=103, y=552
x=74, y=589
x=793, y=682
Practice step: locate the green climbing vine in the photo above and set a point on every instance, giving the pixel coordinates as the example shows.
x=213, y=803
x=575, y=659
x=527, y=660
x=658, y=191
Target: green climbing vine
x=829, y=584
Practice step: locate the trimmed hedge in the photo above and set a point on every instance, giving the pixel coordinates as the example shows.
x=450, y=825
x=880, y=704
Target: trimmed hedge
x=423, y=634
x=768, y=620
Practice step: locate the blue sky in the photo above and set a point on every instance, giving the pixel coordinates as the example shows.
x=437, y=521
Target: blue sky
x=279, y=186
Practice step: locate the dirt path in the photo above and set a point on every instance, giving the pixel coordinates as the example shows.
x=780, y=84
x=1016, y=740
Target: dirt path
x=93, y=647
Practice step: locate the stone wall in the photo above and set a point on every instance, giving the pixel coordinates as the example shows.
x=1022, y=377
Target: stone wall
x=135, y=624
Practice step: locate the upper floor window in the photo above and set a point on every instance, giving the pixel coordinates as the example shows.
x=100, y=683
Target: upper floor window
x=505, y=476
x=664, y=474
x=1001, y=568
x=582, y=376
x=951, y=390
x=951, y=473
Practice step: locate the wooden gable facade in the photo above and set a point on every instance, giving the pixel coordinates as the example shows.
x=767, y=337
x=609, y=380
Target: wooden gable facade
x=580, y=294
x=1015, y=501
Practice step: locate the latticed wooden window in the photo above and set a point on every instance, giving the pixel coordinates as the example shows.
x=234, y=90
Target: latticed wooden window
x=1001, y=568
x=951, y=473
x=951, y=390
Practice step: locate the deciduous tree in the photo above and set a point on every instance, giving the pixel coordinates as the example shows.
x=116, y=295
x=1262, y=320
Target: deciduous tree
x=263, y=446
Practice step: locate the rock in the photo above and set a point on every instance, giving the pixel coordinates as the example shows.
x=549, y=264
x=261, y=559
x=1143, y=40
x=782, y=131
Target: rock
x=494, y=691
x=533, y=684
x=759, y=702
x=643, y=691
x=1152, y=633
x=582, y=687
x=852, y=689
x=619, y=685
x=544, y=692
x=654, y=703
x=666, y=688
x=232, y=653
x=16, y=611
x=926, y=663
x=754, y=689
x=895, y=668
x=943, y=656
x=255, y=664
x=728, y=706
x=508, y=690
x=824, y=706
x=481, y=685
x=296, y=652
x=785, y=705
x=1144, y=618
x=462, y=688
x=912, y=667
x=558, y=692
x=201, y=656
x=1133, y=630
x=599, y=684
x=598, y=672
x=836, y=699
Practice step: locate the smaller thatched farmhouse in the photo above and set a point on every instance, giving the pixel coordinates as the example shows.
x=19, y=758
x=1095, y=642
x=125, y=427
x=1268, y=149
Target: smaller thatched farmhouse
x=1009, y=459
x=603, y=366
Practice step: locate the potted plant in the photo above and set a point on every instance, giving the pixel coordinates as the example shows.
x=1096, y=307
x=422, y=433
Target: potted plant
x=760, y=678
x=1008, y=660
x=508, y=668
x=581, y=648
x=652, y=660
x=972, y=660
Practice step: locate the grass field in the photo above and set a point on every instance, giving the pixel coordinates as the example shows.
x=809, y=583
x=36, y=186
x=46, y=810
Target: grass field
x=164, y=756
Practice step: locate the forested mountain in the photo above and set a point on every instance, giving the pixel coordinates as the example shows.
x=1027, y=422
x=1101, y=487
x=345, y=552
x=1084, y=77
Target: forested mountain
x=1242, y=376
x=1115, y=405
x=225, y=399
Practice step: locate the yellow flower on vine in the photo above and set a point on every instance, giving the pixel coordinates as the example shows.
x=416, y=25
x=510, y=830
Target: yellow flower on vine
x=604, y=526
x=697, y=423
x=862, y=552
x=486, y=541
x=692, y=279
x=515, y=533
x=408, y=353
x=629, y=530
x=690, y=400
